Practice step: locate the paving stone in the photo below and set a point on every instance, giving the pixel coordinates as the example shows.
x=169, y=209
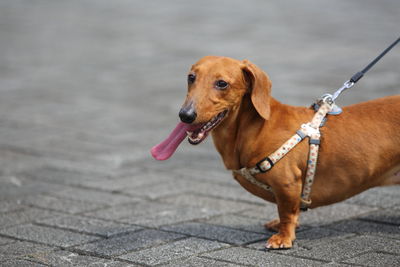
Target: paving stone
x=125, y=157
x=385, y=197
x=23, y=216
x=8, y=206
x=163, y=189
x=54, y=146
x=153, y=214
x=240, y=223
x=375, y=259
x=4, y=240
x=12, y=187
x=129, y=242
x=88, y=225
x=181, y=162
x=14, y=132
x=67, y=258
x=14, y=161
x=335, y=264
x=94, y=196
x=21, y=248
x=207, y=174
x=215, y=232
x=214, y=203
x=64, y=205
x=331, y=213
x=171, y=215
x=245, y=256
x=18, y=263
x=131, y=210
x=131, y=181
x=201, y=262
x=368, y=228
x=67, y=177
x=120, y=212
x=173, y=251
x=314, y=235
x=79, y=165
x=343, y=249
x=46, y=235
x=390, y=216
x=267, y=212
x=54, y=156
x=236, y=193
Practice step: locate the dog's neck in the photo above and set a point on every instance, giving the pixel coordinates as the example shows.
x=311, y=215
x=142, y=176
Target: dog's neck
x=242, y=128
x=233, y=128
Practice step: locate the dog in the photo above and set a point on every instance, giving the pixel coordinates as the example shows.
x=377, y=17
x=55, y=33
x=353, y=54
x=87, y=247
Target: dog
x=231, y=99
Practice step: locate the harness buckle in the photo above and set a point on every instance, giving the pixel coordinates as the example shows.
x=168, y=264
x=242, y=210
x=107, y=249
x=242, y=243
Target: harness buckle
x=258, y=165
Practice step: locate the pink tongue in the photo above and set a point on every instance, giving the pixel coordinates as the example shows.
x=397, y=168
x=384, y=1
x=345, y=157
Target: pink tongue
x=165, y=149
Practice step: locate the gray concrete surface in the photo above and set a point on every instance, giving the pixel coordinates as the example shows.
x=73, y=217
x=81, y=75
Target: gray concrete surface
x=87, y=87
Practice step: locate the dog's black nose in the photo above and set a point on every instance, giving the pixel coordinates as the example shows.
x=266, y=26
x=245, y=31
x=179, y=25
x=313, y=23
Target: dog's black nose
x=188, y=114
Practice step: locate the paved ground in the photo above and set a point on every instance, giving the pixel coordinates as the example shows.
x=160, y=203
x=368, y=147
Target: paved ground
x=87, y=87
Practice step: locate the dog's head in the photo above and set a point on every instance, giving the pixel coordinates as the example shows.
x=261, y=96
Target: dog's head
x=216, y=86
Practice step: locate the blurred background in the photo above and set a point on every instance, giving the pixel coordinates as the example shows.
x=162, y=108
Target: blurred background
x=87, y=87
x=117, y=69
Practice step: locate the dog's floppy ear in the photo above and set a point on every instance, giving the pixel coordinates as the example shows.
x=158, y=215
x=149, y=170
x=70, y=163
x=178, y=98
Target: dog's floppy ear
x=260, y=86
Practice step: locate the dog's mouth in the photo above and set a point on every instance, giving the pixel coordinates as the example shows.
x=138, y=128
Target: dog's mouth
x=197, y=136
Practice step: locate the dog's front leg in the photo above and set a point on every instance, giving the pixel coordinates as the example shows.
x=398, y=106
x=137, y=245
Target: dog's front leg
x=288, y=202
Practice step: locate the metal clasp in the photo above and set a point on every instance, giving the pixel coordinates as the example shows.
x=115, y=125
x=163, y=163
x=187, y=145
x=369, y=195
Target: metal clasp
x=348, y=84
x=327, y=98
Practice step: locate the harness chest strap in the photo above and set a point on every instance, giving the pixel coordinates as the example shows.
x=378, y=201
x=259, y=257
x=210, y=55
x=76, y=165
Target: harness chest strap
x=310, y=130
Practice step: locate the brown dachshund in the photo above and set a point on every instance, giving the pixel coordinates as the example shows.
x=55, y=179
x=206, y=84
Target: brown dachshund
x=360, y=148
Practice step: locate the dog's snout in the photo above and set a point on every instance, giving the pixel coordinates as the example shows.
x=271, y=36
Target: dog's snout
x=188, y=114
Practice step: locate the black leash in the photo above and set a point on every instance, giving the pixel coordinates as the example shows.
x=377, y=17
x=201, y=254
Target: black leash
x=356, y=77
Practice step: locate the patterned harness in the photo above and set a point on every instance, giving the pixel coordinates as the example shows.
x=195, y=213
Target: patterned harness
x=311, y=129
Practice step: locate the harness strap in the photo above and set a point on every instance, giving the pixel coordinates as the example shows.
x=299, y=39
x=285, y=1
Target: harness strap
x=315, y=137
x=267, y=163
x=310, y=174
x=310, y=130
x=248, y=174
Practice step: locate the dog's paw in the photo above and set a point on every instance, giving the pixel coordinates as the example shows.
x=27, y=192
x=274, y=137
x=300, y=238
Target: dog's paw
x=279, y=241
x=272, y=225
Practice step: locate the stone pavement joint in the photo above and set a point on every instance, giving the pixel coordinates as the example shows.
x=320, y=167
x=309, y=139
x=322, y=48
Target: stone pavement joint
x=88, y=87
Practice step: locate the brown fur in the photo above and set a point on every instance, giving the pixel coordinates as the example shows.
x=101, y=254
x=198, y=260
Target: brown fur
x=359, y=149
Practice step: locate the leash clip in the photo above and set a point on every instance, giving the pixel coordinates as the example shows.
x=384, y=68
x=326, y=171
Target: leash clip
x=327, y=99
x=330, y=101
x=348, y=84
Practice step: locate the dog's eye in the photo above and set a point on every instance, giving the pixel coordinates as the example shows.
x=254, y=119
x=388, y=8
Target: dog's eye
x=221, y=84
x=191, y=78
